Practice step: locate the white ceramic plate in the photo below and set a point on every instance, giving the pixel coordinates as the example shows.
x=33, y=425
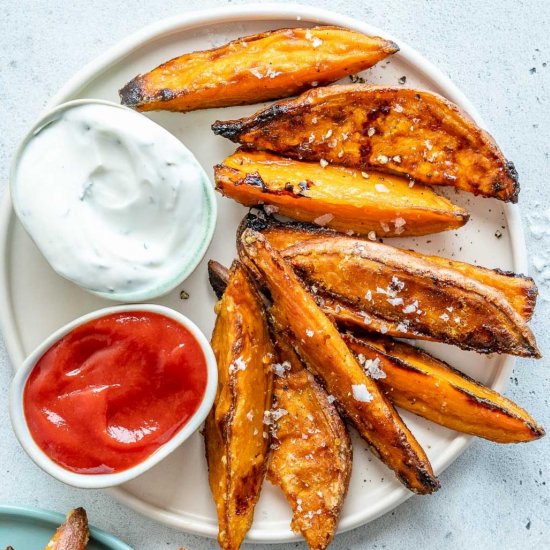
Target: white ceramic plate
x=34, y=301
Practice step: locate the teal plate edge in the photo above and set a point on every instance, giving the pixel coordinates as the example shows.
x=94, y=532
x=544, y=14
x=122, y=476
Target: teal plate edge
x=55, y=519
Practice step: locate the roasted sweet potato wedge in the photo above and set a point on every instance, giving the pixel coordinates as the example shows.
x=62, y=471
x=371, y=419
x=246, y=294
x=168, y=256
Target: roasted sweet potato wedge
x=236, y=445
x=73, y=534
x=417, y=382
x=318, y=343
x=520, y=290
x=341, y=198
x=255, y=68
x=311, y=458
x=397, y=130
x=415, y=298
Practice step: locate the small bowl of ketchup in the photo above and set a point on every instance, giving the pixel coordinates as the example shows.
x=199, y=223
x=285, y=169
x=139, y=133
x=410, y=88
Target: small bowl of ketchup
x=111, y=394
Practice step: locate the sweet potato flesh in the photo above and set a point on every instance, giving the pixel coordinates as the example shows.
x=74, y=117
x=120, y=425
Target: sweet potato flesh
x=311, y=459
x=255, y=68
x=341, y=198
x=236, y=449
x=418, y=299
x=396, y=130
x=320, y=346
x=519, y=290
x=417, y=382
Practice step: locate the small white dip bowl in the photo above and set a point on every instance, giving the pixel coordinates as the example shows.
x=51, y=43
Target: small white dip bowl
x=99, y=481
x=91, y=200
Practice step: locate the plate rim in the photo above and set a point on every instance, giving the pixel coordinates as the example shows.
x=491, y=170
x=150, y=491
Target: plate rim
x=57, y=518
x=256, y=12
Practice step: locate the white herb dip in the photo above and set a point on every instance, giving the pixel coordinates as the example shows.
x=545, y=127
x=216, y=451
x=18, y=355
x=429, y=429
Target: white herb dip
x=115, y=202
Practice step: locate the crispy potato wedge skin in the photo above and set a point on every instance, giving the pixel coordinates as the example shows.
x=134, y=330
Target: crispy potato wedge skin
x=311, y=461
x=73, y=534
x=397, y=130
x=338, y=197
x=236, y=450
x=394, y=285
x=320, y=346
x=255, y=68
x=428, y=387
x=520, y=290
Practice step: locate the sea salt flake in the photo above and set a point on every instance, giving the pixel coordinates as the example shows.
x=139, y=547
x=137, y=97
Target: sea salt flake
x=450, y=309
x=385, y=227
x=395, y=301
x=271, y=209
x=311, y=138
x=403, y=326
x=428, y=144
x=457, y=320
x=323, y=163
x=398, y=108
x=309, y=36
x=280, y=369
x=366, y=318
x=309, y=333
x=383, y=329
x=361, y=394
x=381, y=188
x=365, y=175
x=371, y=236
x=397, y=158
x=368, y=296
x=372, y=368
x=382, y=159
x=316, y=42
x=323, y=220
x=371, y=131
x=444, y=316
x=328, y=134
x=256, y=72
x=411, y=308
x=237, y=365
x=331, y=398
x=250, y=415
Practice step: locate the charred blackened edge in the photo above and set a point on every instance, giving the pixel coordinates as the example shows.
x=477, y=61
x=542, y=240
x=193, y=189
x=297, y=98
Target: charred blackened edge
x=512, y=174
x=132, y=94
x=233, y=129
x=218, y=275
x=535, y=429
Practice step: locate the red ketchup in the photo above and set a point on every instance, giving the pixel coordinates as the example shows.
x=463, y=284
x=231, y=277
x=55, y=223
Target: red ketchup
x=113, y=390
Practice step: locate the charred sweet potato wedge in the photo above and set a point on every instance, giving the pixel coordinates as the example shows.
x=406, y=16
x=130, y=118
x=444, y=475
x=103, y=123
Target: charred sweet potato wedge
x=417, y=382
x=416, y=298
x=73, y=534
x=255, y=68
x=341, y=198
x=520, y=290
x=236, y=448
x=318, y=343
x=398, y=130
x=311, y=457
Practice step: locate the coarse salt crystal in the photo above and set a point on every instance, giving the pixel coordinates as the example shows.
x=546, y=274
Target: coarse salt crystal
x=457, y=320
x=385, y=227
x=371, y=236
x=383, y=329
x=271, y=209
x=444, y=316
x=372, y=368
x=331, y=398
x=323, y=220
x=316, y=42
x=402, y=327
x=237, y=365
x=397, y=158
x=328, y=134
x=368, y=296
x=309, y=333
x=323, y=163
x=250, y=415
x=382, y=159
x=309, y=36
x=371, y=131
x=395, y=301
x=398, y=108
x=280, y=369
x=361, y=394
x=381, y=188
x=428, y=144
x=365, y=175
x=256, y=72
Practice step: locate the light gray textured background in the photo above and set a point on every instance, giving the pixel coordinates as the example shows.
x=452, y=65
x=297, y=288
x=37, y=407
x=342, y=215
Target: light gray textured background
x=493, y=497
